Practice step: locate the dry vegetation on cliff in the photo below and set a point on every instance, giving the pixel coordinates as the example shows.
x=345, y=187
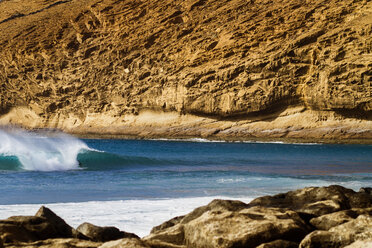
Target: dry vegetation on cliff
x=231, y=68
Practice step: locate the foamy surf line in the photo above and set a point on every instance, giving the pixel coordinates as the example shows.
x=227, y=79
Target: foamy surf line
x=203, y=140
x=136, y=216
x=42, y=151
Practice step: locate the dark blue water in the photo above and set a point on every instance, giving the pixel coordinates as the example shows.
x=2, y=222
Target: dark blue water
x=140, y=169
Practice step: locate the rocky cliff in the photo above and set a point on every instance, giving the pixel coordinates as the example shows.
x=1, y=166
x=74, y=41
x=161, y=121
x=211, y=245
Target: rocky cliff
x=230, y=68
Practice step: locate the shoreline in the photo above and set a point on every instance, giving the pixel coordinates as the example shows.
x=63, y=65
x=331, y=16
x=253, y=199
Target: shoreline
x=307, y=217
x=294, y=125
x=124, y=214
x=299, y=141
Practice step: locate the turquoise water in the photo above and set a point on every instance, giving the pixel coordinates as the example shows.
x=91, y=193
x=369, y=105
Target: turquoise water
x=37, y=168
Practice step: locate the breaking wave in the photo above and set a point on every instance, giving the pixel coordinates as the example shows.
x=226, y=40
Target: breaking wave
x=22, y=150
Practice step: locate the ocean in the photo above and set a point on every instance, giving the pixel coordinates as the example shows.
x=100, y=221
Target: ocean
x=137, y=184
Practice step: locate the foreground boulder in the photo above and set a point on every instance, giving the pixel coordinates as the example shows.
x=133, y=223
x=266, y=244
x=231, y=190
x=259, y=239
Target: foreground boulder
x=44, y=225
x=361, y=244
x=359, y=229
x=315, y=217
x=282, y=220
x=230, y=224
x=62, y=228
x=57, y=243
x=279, y=244
x=103, y=234
x=317, y=201
x=327, y=221
x=125, y=243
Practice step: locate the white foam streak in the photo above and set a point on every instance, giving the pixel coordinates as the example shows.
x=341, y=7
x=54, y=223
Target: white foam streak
x=137, y=216
x=39, y=152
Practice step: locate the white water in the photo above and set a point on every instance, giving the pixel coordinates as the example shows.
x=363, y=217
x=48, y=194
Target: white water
x=40, y=152
x=136, y=216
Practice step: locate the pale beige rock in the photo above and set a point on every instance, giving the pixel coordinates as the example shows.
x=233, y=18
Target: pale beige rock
x=57, y=243
x=125, y=243
x=279, y=244
x=359, y=229
x=360, y=244
x=327, y=221
x=230, y=224
x=317, y=200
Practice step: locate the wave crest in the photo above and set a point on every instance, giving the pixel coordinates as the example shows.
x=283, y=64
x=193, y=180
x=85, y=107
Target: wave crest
x=40, y=151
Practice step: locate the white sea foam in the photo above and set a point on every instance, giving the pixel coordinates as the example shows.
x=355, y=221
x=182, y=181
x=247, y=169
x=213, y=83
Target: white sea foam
x=137, y=216
x=196, y=140
x=203, y=140
x=40, y=152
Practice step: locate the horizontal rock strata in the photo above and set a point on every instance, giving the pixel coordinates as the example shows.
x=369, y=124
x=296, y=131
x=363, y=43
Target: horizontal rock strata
x=231, y=68
x=322, y=217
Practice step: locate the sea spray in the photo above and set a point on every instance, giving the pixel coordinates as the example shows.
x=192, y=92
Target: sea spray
x=42, y=151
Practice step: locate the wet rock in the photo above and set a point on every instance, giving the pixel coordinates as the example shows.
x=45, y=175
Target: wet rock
x=103, y=234
x=359, y=229
x=230, y=224
x=317, y=200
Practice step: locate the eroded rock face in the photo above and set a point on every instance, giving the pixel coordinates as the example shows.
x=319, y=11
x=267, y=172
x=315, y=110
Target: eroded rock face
x=356, y=230
x=360, y=244
x=327, y=221
x=103, y=234
x=69, y=63
x=317, y=200
x=279, y=244
x=57, y=243
x=273, y=221
x=125, y=243
x=231, y=224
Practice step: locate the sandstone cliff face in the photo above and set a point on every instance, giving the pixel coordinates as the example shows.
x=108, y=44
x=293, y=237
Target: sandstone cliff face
x=80, y=64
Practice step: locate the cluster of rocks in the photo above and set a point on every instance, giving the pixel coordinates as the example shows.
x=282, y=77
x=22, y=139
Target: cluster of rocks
x=311, y=217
